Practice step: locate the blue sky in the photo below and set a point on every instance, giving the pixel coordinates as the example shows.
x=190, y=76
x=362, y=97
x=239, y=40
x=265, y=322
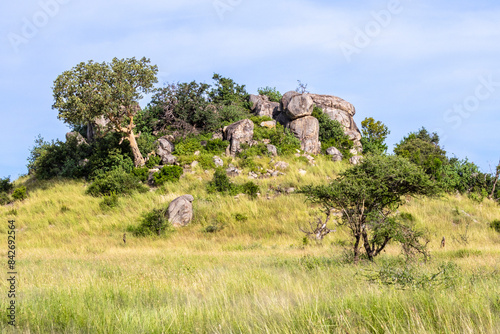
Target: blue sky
x=406, y=63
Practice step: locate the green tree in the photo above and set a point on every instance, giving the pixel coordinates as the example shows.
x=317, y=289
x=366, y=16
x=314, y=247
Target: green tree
x=226, y=92
x=423, y=149
x=368, y=195
x=105, y=90
x=374, y=136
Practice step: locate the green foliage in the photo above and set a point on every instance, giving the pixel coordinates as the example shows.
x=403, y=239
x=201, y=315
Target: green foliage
x=273, y=94
x=141, y=173
x=423, y=149
x=146, y=143
x=495, y=225
x=5, y=198
x=221, y=183
x=19, y=193
x=109, y=201
x=251, y=189
x=216, y=146
x=153, y=161
x=187, y=146
x=115, y=181
x=331, y=133
x=283, y=139
x=226, y=92
x=368, y=194
x=240, y=217
x=229, y=114
x=5, y=185
x=154, y=222
x=374, y=136
x=111, y=90
x=168, y=174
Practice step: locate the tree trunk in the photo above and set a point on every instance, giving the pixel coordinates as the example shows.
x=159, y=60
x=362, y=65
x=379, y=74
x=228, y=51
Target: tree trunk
x=138, y=159
x=496, y=180
x=356, y=249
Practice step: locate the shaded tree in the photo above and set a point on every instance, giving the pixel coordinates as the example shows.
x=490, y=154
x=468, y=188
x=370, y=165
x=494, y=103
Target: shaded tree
x=109, y=91
x=368, y=195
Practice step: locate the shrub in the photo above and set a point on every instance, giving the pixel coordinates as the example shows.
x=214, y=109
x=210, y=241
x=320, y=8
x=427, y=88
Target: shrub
x=154, y=222
x=187, y=146
x=19, y=193
x=5, y=199
x=331, y=133
x=216, y=146
x=141, y=173
x=116, y=181
x=109, y=202
x=273, y=94
x=230, y=114
x=153, y=161
x=146, y=143
x=168, y=174
x=251, y=189
x=495, y=225
x=240, y=217
x=374, y=135
x=5, y=185
x=221, y=183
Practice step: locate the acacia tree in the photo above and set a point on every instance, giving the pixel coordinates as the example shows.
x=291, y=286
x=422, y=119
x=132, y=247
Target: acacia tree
x=105, y=90
x=368, y=195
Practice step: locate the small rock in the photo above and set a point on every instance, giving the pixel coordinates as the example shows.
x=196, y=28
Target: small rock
x=290, y=190
x=302, y=172
x=217, y=161
x=272, y=149
x=180, y=211
x=194, y=164
x=268, y=124
x=233, y=171
x=197, y=153
x=335, y=153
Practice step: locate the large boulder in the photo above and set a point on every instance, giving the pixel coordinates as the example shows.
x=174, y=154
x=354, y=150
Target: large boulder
x=306, y=129
x=237, y=134
x=299, y=106
x=164, y=150
x=261, y=106
x=285, y=100
x=180, y=211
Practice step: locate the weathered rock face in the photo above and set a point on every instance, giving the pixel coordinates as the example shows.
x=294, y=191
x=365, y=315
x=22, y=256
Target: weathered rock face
x=306, y=129
x=180, y=211
x=79, y=138
x=164, y=150
x=261, y=106
x=237, y=134
x=299, y=106
x=285, y=100
x=340, y=110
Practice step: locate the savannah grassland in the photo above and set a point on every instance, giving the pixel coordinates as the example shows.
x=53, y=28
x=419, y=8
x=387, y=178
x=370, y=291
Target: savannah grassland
x=255, y=274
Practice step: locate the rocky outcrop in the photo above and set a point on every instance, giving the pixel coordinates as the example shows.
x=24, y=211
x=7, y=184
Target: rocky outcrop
x=340, y=110
x=165, y=149
x=78, y=137
x=237, y=134
x=180, y=211
x=261, y=106
x=306, y=129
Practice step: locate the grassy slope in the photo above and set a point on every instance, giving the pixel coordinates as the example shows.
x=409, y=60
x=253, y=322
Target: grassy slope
x=253, y=276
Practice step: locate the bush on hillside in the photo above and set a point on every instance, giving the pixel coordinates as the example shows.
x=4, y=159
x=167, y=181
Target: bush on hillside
x=5, y=185
x=495, y=225
x=5, y=198
x=116, y=181
x=272, y=93
x=221, y=183
x=168, y=174
x=19, y=193
x=154, y=222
